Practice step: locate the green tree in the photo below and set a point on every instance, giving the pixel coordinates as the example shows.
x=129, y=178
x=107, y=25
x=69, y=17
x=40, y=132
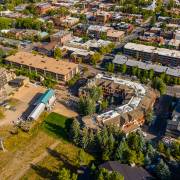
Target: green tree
x=161, y=147
x=123, y=68
x=81, y=158
x=96, y=93
x=84, y=138
x=153, y=20
x=149, y=117
x=75, y=132
x=110, y=67
x=64, y=174
x=162, y=170
x=104, y=104
x=159, y=85
x=87, y=106
x=104, y=174
x=5, y=23
x=57, y=53
x=134, y=71
x=130, y=156
x=96, y=57
x=120, y=151
x=175, y=150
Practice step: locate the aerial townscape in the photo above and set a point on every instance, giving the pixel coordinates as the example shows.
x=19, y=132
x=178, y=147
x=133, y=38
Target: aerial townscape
x=90, y=89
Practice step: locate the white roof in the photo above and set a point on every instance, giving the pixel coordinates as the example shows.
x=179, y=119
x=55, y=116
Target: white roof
x=151, y=49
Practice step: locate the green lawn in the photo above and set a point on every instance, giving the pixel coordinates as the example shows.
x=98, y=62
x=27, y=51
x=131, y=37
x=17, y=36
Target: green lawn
x=56, y=125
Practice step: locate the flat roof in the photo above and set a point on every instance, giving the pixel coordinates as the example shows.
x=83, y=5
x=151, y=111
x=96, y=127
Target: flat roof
x=42, y=62
x=152, y=49
x=121, y=59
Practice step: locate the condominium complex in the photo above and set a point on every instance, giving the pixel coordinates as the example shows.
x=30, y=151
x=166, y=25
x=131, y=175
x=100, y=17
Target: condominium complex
x=164, y=56
x=121, y=59
x=133, y=98
x=59, y=70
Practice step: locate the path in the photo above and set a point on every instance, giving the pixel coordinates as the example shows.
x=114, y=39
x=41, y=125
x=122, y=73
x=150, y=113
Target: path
x=35, y=161
x=21, y=160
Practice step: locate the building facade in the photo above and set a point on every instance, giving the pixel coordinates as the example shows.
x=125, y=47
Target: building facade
x=164, y=56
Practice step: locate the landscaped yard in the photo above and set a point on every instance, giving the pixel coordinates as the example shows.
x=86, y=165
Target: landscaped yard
x=56, y=125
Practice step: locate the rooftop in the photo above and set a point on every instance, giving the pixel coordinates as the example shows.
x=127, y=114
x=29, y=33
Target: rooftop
x=129, y=172
x=151, y=49
x=42, y=62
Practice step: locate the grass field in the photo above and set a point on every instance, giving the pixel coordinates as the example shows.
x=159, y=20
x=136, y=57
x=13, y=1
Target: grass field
x=56, y=125
x=64, y=155
x=25, y=147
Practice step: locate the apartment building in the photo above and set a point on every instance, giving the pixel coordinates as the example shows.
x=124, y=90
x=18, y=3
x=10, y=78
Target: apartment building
x=61, y=37
x=59, y=70
x=43, y=8
x=5, y=77
x=163, y=56
x=121, y=59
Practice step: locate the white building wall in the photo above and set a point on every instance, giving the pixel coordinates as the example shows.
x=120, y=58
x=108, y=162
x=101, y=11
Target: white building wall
x=37, y=112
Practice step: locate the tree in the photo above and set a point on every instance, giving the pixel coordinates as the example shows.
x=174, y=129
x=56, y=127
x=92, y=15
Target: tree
x=87, y=106
x=5, y=23
x=81, y=157
x=57, y=53
x=135, y=142
x=161, y=147
x=171, y=4
x=123, y=68
x=75, y=132
x=162, y=170
x=120, y=151
x=84, y=138
x=103, y=36
x=116, y=176
x=96, y=57
x=130, y=156
x=159, y=85
x=96, y=93
x=175, y=150
x=134, y=71
x=149, y=117
x=64, y=174
x=104, y=174
x=110, y=67
x=153, y=20
x=104, y=104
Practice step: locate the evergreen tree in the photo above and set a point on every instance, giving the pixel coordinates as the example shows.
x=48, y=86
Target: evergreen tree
x=84, y=138
x=91, y=140
x=162, y=170
x=75, y=132
x=64, y=174
x=123, y=68
x=120, y=151
x=161, y=147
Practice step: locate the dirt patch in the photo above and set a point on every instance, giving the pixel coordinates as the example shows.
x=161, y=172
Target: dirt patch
x=63, y=110
x=22, y=99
